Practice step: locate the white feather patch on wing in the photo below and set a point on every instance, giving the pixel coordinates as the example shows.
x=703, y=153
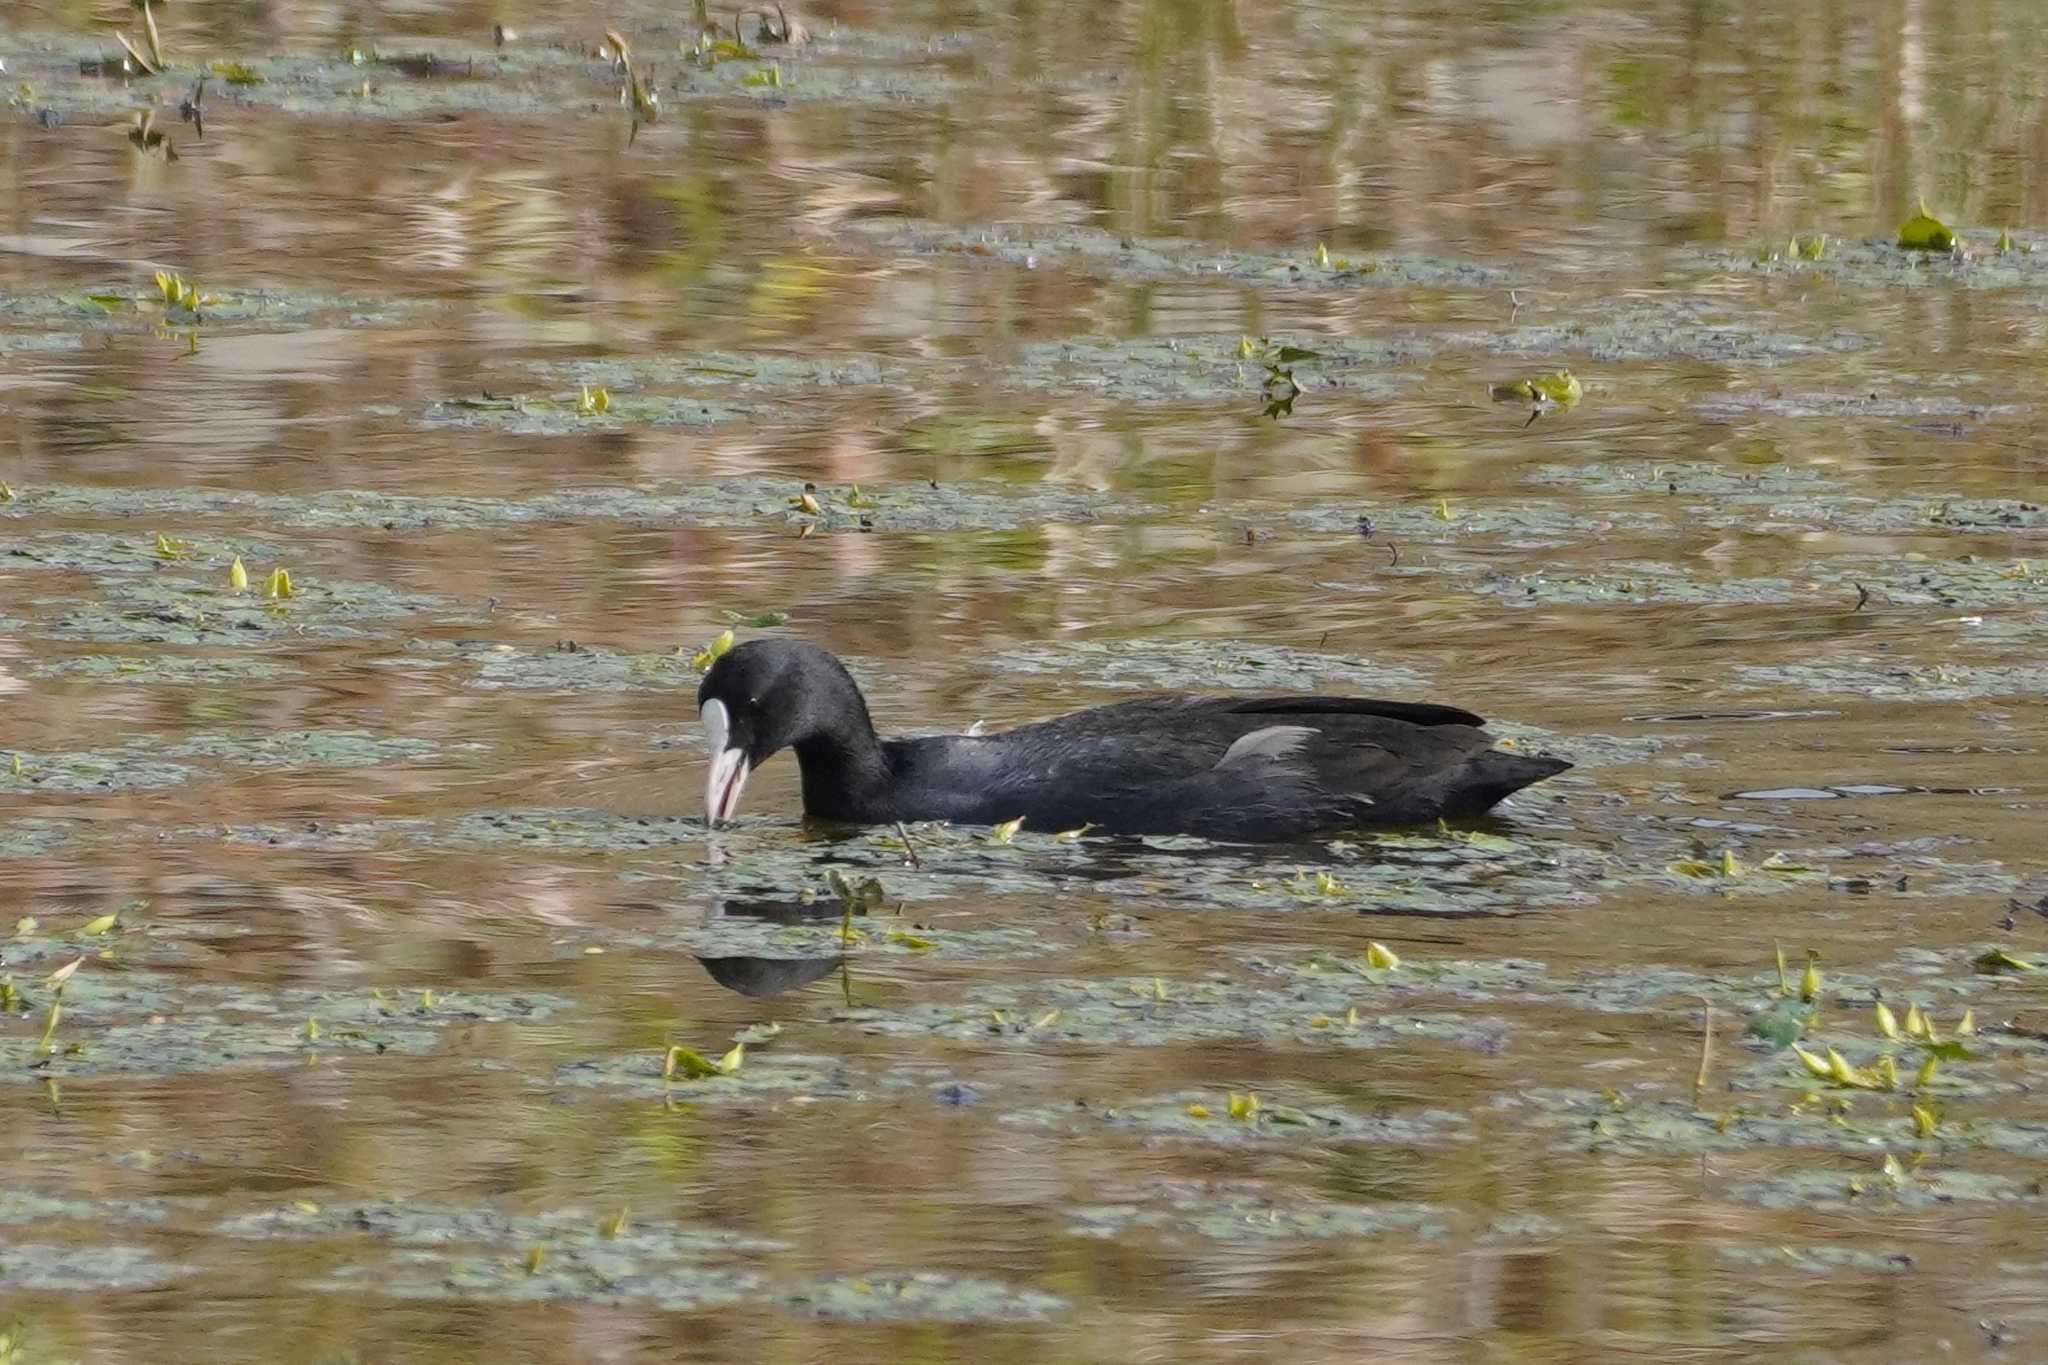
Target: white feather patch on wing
x=1274, y=741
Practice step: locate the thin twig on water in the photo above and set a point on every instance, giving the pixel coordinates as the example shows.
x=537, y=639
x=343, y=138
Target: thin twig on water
x=909, y=849
x=1699, y=1082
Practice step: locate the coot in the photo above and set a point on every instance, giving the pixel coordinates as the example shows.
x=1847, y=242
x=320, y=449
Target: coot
x=1235, y=768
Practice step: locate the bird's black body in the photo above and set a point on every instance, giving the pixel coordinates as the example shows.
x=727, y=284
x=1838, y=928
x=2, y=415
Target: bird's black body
x=1242, y=768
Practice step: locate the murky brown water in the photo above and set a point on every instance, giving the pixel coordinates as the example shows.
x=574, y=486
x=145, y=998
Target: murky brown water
x=413, y=893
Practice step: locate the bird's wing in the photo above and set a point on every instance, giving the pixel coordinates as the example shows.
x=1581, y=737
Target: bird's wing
x=1182, y=714
x=1231, y=767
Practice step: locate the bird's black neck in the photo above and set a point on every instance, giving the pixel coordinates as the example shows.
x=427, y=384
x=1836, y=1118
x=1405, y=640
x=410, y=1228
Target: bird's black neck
x=846, y=774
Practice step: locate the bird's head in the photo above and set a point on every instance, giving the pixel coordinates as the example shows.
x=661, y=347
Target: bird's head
x=760, y=698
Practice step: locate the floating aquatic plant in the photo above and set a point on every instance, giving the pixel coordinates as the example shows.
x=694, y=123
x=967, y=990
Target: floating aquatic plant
x=1560, y=388
x=1998, y=962
x=691, y=1065
x=150, y=57
x=712, y=652
x=1924, y=232
x=639, y=89
x=181, y=294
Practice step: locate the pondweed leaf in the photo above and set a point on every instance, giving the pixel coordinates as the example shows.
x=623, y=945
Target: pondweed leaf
x=709, y=655
x=1817, y=1065
x=1924, y=232
x=688, y=1063
x=47, y=1043
x=1561, y=388
x=1999, y=962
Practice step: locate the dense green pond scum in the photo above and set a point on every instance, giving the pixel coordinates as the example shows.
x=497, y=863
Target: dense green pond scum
x=402, y=405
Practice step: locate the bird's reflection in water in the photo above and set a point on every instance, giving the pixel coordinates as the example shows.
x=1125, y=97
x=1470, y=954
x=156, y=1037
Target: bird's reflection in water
x=760, y=976
x=747, y=974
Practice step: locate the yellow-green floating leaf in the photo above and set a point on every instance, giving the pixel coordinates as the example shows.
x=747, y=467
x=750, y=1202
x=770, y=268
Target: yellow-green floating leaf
x=1924, y=232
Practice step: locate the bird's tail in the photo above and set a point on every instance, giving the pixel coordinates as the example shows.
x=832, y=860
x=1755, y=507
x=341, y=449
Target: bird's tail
x=1493, y=776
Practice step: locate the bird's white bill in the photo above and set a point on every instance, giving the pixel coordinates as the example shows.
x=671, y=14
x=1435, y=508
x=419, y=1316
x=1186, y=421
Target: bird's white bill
x=729, y=770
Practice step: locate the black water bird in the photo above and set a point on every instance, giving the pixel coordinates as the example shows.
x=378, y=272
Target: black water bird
x=1256, y=768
